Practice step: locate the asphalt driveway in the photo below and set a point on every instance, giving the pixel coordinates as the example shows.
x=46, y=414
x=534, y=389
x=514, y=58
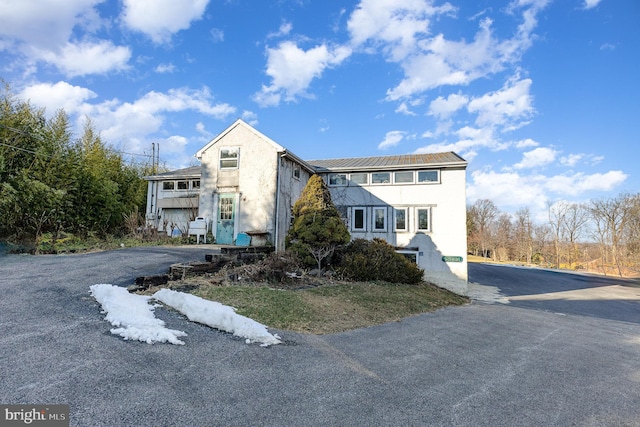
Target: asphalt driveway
x=481, y=364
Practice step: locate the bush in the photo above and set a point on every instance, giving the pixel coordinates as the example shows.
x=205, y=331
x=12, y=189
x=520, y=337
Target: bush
x=368, y=260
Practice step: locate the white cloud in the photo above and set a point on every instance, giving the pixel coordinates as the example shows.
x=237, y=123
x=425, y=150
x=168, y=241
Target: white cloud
x=391, y=139
x=88, y=58
x=444, y=107
x=589, y=4
x=526, y=143
x=160, y=19
x=403, y=108
x=165, y=68
x=292, y=70
x=42, y=30
x=217, y=35
x=129, y=125
x=250, y=117
x=571, y=160
x=285, y=29
x=395, y=24
x=57, y=96
x=580, y=183
x=516, y=190
x=46, y=24
x=505, y=107
x=540, y=156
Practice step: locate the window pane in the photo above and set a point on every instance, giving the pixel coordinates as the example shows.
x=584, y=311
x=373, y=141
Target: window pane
x=195, y=184
x=381, y=178
x=402, y=177
x=359, y=178
x=423, y=219
x=401, y=219
x=229, y=157
x=428, y=176
x=183, y=185
x=226, y=208
x=338, y=179
x=379, y=219
x=167, y=185
x=358, y=219
x=296, y=172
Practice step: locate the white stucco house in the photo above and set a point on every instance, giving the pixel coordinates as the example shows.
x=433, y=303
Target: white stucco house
x=248, y=183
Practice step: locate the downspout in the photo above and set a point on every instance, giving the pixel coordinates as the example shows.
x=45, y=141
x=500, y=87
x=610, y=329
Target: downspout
x=277, y=228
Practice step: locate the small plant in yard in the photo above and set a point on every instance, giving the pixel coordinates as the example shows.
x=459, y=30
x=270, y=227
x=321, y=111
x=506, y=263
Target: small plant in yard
x=368, y=260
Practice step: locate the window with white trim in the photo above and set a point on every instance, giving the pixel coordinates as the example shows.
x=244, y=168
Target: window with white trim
x=381, y=178
x=423, y=219
x=168, y=185
x=400, y=219
x=337, y=179
x=360, y=178
x=404, y=177
x=195, y=184
x=358, y=219
x=296, y=171
x=183, y=185
x=410, y=255
x=379, y=219
x=426, y=177
x=229, y=157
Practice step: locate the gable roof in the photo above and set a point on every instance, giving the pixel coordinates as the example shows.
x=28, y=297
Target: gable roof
x=406, y=161
x=245, y=125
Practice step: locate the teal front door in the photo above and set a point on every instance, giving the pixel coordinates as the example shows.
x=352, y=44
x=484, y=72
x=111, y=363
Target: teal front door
x=225, y=219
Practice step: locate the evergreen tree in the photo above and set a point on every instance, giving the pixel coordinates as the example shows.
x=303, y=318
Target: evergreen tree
x=317, y=228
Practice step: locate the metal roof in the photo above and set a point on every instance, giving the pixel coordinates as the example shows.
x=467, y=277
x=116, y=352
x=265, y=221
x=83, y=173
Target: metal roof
x=190, y=172
x=389, y=162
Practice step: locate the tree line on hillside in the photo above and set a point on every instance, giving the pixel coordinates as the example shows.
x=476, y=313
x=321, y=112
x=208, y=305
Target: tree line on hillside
x=52, y=182
x=602, y=235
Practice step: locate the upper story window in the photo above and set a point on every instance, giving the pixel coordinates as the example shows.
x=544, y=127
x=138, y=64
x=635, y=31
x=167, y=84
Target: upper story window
x=336, y=179
x=183, y=185
x=381, y=178
x=359, y=178
x=195, y=184
x=432, y=176
x=296, y=171
x=168, y=185
x=405, y=177
x=229, y=157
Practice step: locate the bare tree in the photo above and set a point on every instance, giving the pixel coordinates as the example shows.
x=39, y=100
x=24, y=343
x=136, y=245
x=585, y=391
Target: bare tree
x=484, y=213
x=523, y=235
x=611, y=217
x=557, y=220
x=575, y=219
x=502, y=238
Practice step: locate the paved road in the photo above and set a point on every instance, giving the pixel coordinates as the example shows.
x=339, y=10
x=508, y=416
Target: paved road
x=563, y=292
x=477, y=365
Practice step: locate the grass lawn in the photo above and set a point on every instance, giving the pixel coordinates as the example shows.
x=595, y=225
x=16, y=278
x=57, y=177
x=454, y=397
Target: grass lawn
x=333, y=307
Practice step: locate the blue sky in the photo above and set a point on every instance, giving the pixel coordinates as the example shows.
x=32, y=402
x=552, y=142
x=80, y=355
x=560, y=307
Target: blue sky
x=541, y=97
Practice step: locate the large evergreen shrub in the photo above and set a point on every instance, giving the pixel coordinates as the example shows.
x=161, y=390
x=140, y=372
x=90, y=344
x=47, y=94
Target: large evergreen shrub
x=317, y=228
x=369, y=260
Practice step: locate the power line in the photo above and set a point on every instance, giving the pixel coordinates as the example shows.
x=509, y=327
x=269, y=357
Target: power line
x=40, y=138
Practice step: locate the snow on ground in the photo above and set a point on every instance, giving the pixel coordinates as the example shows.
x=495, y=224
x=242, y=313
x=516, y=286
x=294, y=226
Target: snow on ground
x=216, y=315
x=132, y=316
x=134, y=319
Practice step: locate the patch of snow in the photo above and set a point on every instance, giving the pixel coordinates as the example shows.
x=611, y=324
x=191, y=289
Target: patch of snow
x=216, y=315
x=133, y=316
